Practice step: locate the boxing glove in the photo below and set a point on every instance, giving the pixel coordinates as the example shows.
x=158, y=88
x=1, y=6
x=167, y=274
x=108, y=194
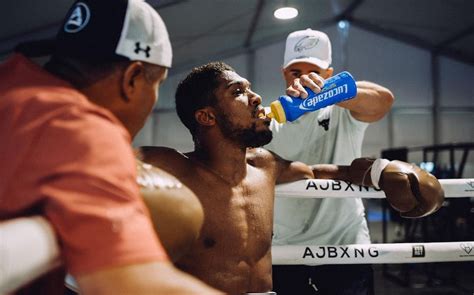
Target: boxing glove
x=410, y=190
x=176, y=212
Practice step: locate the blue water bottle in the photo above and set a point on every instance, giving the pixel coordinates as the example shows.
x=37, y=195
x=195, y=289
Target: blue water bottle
x=336, y=89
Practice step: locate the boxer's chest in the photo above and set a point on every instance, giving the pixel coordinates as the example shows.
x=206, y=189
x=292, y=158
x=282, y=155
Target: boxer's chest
x=238, y=218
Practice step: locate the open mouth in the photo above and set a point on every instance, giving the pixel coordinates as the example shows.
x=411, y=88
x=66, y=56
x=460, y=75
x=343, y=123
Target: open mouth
x=259, y=113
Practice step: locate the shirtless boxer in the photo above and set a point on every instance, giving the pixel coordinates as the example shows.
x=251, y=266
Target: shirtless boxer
x=236, y=184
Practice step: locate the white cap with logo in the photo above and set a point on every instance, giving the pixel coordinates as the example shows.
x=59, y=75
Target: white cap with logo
x=308, y=46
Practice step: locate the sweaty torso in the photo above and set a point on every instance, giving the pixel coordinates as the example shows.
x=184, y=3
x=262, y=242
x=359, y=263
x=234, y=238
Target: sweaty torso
x=233, y=251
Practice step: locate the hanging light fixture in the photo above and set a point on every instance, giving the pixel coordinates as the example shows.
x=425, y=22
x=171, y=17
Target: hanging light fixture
x=285, y=12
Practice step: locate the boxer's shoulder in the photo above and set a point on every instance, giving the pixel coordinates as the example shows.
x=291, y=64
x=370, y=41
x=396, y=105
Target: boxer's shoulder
x=151, y=177
x=158, y=155
x=260, y=157
x=168, y=159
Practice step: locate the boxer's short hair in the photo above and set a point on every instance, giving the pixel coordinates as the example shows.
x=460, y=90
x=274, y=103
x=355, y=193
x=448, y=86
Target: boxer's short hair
x=197, y=91
x=114, y=30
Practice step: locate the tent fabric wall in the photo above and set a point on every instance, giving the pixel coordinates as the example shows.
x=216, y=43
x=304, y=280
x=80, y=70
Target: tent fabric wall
x=406, y=70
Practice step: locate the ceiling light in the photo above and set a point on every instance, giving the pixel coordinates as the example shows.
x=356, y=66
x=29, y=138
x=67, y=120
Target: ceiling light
x=343, y=24
x=285, y=13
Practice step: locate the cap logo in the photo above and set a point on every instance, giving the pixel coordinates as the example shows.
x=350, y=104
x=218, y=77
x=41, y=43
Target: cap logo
x=145, y=50
x=78, y=19
x=305, y=43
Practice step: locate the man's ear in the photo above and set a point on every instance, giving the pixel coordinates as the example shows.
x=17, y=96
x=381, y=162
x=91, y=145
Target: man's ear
x=328, y=72
x=131, y=79
x=205, y=116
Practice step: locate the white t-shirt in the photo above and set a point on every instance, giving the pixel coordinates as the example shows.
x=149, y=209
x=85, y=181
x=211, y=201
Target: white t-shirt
x=327, y=136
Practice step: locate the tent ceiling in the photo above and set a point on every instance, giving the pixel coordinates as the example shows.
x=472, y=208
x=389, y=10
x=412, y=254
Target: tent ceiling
x=204, y=30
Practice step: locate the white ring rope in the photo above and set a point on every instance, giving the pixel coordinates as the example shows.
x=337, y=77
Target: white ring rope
x=363, y=254
x=19, y=265
x=326, y=188
x=28, y=249
x=373, y=253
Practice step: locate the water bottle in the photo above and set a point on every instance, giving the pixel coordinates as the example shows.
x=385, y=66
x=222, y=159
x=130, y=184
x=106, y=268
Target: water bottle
x=338, y=88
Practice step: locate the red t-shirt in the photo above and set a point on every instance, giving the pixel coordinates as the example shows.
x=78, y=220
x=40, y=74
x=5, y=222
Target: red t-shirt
x=68, y=159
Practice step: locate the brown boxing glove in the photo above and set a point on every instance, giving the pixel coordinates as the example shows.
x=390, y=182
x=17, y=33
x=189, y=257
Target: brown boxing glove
x=410, y=190
x=176, y=212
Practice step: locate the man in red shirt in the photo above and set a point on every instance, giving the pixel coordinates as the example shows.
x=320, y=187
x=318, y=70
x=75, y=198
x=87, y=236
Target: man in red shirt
x=66, y=132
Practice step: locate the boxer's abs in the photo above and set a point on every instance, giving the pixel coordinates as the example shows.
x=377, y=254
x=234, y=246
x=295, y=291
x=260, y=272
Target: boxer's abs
x=231, y=273
x=233, y=251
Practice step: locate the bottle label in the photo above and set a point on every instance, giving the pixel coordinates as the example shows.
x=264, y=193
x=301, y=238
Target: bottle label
x=336, y=89
x=310, y=103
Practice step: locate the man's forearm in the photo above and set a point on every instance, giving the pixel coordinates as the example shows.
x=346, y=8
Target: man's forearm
x=371, y=103
x=329, y=171
x=145, y=278
x=357, y=174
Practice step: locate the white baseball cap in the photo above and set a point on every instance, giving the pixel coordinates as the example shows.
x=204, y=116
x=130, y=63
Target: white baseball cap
x=114, y=29
x=308, y=46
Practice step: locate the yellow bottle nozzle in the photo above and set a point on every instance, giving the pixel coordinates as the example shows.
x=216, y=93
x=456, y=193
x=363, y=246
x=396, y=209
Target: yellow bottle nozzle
x=277, y=112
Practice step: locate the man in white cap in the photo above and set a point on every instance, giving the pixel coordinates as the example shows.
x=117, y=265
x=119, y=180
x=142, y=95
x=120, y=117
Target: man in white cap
x=330, y=135
x=66, y=151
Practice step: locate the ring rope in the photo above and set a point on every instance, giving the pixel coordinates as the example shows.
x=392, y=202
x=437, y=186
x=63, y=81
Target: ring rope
x=327, y=188
x=16, y=271
x=364, y=254
x=373, y=253
x=28, y=249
